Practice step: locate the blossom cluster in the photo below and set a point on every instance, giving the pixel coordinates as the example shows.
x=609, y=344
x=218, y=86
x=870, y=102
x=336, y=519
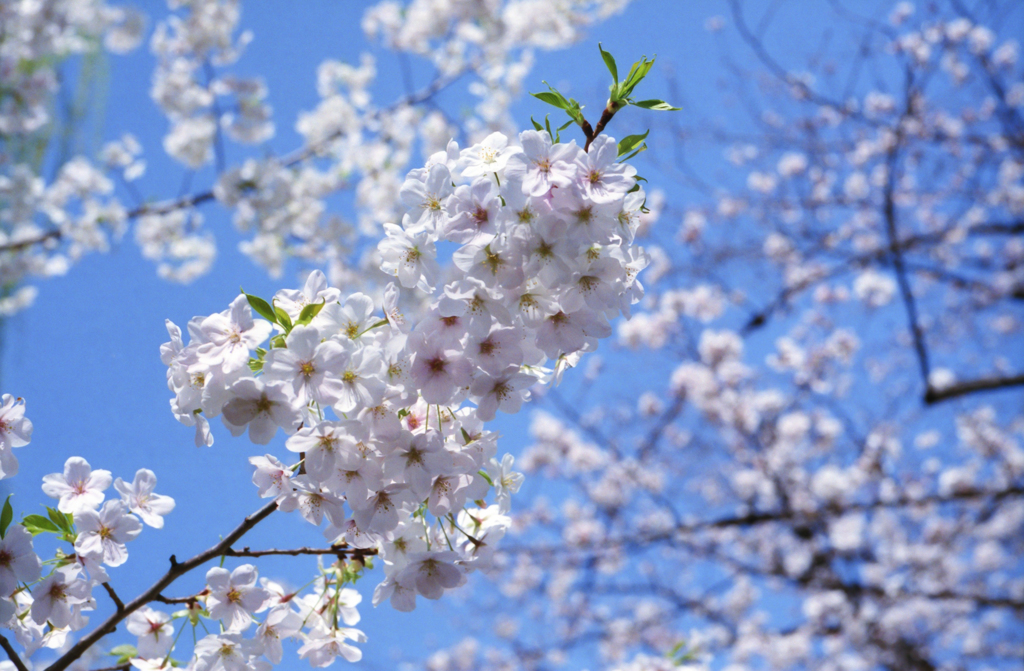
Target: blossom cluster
x=43, y=610
x=374, y=405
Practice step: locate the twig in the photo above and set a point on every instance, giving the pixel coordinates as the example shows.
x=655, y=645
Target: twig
x=113, y=596
x=933, y=395
x=178, y=599
x=895, y=249
x=591, y=133
x=12, y=654
x=176, y=571
x=340, y=552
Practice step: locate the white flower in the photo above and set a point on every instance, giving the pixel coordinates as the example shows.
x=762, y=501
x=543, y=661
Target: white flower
x=154, y=629
x=324, y=645
x=15, y=431
x=79, y=489
x=18, y=560
x=54, y=597
x=104, y=533
x=234, y=596
x=141, y=500
x=506, y=481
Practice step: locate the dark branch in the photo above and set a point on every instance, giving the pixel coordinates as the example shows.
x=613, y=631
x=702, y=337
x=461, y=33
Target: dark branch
x=12, y=654
x=933, y=395
x=340, y=552
x=113, y=596
x=177, y=570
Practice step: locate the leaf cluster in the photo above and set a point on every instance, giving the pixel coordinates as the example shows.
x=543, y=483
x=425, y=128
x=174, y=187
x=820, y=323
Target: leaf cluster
x=620, y=95
x=276, y=315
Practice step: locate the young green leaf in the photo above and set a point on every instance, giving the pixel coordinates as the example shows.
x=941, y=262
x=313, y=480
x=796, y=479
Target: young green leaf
x=631, y=142
x=62, y=521
x=536, y=125
x=610, y=62
x=123, y=653
x=261, y=307
x=635, y=76
x=643, y=147
x=551, y=99
x=37, y=524
x=655, y=105
x=6, y=516
x=283, y=319
x=310, y=311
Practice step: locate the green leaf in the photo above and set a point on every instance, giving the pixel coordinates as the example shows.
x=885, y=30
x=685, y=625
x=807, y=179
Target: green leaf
x=261, y=307
x=59, y=519
x=655, y=105
x=552, y=99
x=631, y=142
x=486, y=477
x=610, y=62
x=283, y=319
x=536, y=125
x=64, y=520
x=6, y=516
x=638, y=72
x=123, y=653
x=37, y=524
x=565, y=125
x=466, y=437
x=642, y=148
x=310, y=311
x=278, y=341
x=255, y=365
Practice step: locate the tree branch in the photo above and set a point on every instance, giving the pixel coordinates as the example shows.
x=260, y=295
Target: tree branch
x=113, y=596
x=176, y=571
x=340, y=552
x=12, y=654
x=933, y=395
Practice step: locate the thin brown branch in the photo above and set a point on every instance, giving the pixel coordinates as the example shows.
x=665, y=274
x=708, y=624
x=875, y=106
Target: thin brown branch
x=933, y=395
x=177, y=570
x=609, y=111
x=12, y=654
x=179, y=599
x=113, y=596
x=340, y=552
